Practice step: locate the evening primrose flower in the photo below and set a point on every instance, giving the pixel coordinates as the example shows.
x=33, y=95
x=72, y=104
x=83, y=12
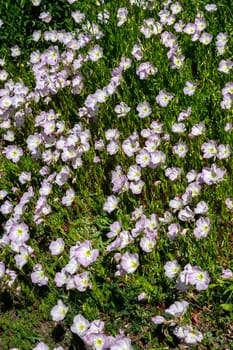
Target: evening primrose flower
x=41, y=346
x=173, y=173
x=2, y=269
x=143, y=109
x=211, y=7
x=45, y=17
x=3, y=75
x=122, y=109
x=190, y=88
x=122, y=14
x=147, y=243
x=137, y=52
x=171, y=268
x=13, y=153
x=129, y=262
x=111, y=204
x=15, y=51
x=177, y=309
x=68, y=199
x=25, y=177
x=213, y=174
x=199, y=278
x=78, y=16
x=59, y=311
x=146, y=69
x=57, y=247
x=6, y=207
x=22, y=258
x=180, y=149
x=85, y=255
x=163, y=98
x=80, y=325
x=38, y=276
x=19, y=233
x=202, y=227
x=223, y=151
x=36, y=2
x=225, y=66
x=122, y=344
x=95, y=53
x=82, y=281
x=229, y=203
x=205, y=38
x=188, y=334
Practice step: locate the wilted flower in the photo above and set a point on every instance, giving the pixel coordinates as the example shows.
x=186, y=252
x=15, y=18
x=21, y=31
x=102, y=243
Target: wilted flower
x=188, y=334
x=122, y=344
x=45, y=17
x=122, y=109
x=158, y=319
x=57, y=247
x=122, y=14
x=177, y=309
x=227, y=273
x=211, y=7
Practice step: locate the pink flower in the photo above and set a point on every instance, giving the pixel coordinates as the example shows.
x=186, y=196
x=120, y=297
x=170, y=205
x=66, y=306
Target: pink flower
x=158, y=319
x=171, y=268
x=199, y=278
x=82, y=281
x=13, y=153
x=80, y=325
x=129, y=262
x=59, y=311
x=57, y=247
x=164, y=98
x=19, y=233
x=85, y=255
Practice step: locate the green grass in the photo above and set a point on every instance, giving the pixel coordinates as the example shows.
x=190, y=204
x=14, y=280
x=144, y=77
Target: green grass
x=25, y=307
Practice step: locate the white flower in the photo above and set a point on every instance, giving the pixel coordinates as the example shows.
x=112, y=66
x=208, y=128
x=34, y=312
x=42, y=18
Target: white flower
x=171, y=268
x=59, y=311
x=80, y=325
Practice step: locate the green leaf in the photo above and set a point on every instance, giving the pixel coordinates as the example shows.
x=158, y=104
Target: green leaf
x=227, y=307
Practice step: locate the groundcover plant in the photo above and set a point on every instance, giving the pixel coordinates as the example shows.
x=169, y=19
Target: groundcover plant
x=116, y=170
